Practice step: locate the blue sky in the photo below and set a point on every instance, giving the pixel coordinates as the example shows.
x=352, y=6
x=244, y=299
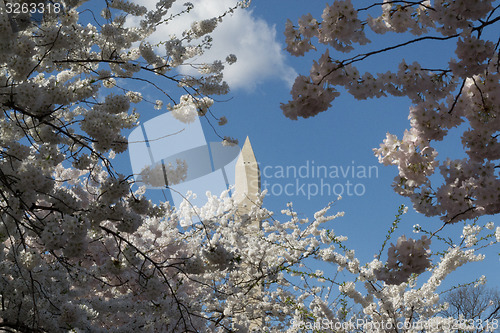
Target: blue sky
x=341, y=137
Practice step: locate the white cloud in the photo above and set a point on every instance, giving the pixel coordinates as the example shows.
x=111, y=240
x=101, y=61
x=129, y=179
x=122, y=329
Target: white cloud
x=251, y=39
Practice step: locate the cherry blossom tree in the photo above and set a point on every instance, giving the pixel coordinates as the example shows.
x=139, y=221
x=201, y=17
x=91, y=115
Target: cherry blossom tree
x=81, y=251
x=465, y=91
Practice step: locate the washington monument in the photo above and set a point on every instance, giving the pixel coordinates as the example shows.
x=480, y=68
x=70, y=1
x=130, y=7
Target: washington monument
x=247, y=179
x=247, y=190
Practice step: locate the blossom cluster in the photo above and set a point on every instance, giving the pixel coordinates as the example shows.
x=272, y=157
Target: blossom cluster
x=407, y=257
x=309, y=99
x=190, y=107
